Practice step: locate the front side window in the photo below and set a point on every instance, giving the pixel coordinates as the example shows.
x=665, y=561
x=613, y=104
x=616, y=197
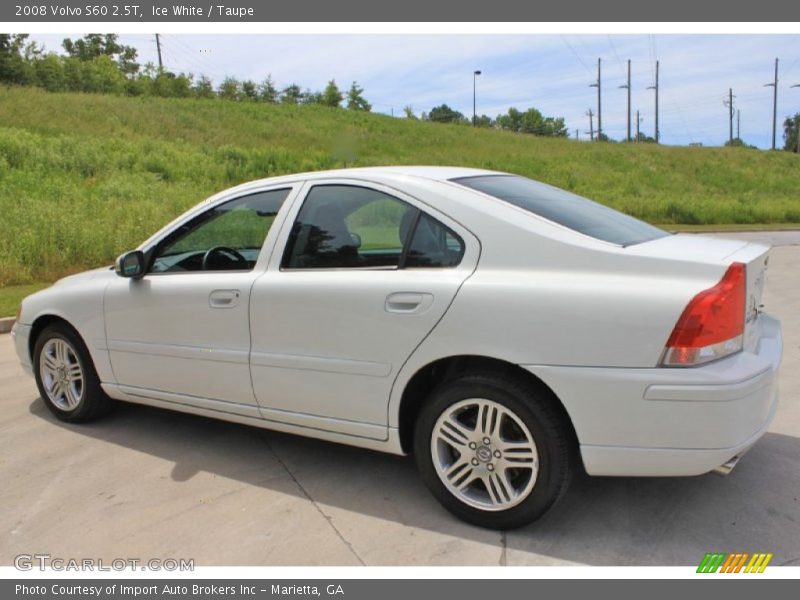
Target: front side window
x=347, y=227
x=226, y=237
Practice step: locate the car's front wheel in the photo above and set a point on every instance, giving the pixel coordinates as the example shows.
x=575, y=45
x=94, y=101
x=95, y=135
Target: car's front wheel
x=66, y=377
x=495, y=452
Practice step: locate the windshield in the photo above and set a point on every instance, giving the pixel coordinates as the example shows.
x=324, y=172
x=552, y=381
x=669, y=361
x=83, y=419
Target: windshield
x=565, y=208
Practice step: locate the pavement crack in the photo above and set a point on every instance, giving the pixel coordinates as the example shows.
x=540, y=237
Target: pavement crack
x=504, y=552
x=311, y=500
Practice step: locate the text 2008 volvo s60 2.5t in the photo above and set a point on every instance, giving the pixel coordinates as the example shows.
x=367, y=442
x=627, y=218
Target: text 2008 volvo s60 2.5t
x=504, y=332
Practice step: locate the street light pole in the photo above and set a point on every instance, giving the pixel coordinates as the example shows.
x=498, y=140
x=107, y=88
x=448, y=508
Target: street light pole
x=474, y=85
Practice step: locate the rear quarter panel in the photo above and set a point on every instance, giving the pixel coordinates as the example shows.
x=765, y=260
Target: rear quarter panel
x=544, y=295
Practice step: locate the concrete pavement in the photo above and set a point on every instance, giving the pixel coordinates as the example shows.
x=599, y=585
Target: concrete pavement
x=150, y=483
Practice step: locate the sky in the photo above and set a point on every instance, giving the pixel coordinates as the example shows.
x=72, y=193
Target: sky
x=549, y=72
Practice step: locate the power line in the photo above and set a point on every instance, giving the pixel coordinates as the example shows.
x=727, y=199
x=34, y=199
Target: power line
x=563, y=39
x=614, y=50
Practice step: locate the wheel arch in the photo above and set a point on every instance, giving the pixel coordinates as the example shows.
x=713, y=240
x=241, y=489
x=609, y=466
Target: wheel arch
x=435, y=373
x=40, y=323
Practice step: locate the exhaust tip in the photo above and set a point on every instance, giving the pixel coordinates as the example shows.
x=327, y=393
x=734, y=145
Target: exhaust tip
x=726, y=467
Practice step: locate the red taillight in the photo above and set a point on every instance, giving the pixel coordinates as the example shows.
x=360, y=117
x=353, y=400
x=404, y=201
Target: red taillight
x=712, y=325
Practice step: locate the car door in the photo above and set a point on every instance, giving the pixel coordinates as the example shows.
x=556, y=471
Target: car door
x=365, y=274
x=181, y=333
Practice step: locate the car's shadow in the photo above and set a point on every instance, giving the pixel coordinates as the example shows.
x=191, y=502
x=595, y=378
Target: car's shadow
x=601, y=521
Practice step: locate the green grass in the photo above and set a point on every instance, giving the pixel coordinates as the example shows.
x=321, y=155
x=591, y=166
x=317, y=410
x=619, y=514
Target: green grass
x=85, y=177
x=721, y=227
x=11, y=296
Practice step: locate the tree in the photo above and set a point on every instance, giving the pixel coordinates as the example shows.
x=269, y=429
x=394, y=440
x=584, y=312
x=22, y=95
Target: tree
x=644, y=138
x=738, y=143
x=309, y=97
x=533, y=122
x=249, y=90
x=94, y=45
x=170, y=85
x=484, y=121
x=267, y=92
x=14, y=68
x=101, y=75
x=791, y=131
x=445, y=114
x=50, y=73
x=409, y=112
x=230, y=89
x=203, y=87
x=331, y=95
x=291, y=94
x=355, y=99
x=511, y=121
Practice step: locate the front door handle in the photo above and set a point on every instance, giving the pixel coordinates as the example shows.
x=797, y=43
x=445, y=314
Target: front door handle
x=224, y=298
x=408, y=302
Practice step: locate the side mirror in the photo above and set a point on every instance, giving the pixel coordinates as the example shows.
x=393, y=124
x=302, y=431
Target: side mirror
x=130, y=264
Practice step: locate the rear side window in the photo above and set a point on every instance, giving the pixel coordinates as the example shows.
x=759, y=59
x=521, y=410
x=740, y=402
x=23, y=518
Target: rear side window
x=349, y=227
x=565, y=208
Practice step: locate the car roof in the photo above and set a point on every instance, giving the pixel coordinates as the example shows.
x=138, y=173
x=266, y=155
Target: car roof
x=374, y=173
x=426, y=172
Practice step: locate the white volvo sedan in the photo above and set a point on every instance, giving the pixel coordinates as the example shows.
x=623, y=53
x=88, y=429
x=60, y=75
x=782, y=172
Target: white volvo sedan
x=502, y=331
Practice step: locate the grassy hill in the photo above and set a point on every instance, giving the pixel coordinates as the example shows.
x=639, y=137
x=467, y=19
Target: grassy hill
x=84, y=177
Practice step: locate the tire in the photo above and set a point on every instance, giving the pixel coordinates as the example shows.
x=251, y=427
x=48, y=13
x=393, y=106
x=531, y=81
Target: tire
x=66, y=377
x=512, y=480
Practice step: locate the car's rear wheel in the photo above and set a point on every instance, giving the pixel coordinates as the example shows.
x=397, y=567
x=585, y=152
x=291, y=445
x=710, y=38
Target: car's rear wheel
x=494, y=452
x=66, y=377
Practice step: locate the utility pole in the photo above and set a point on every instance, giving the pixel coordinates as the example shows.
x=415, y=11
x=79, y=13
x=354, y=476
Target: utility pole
x=729, y=104
x=628, y=87
x=591, y=124
x=738, y=123
x=598, y=85
x=637, y=126
x=655, y=87
x=774, y=85
x=158, y=48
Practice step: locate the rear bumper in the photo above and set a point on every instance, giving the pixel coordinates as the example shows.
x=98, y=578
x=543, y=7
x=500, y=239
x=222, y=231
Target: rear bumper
x=661, y=422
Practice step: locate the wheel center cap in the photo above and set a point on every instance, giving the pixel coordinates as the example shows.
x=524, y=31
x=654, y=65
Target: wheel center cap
x=483, y=454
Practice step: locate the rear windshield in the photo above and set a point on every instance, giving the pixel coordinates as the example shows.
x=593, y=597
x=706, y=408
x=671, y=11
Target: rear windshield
x=565, y=208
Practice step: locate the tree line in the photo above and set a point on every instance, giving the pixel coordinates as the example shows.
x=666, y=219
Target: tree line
x=98, y=63
x=530, y=121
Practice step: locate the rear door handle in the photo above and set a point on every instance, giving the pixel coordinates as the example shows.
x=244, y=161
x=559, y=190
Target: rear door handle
x=224, y=298
x=408, y=302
